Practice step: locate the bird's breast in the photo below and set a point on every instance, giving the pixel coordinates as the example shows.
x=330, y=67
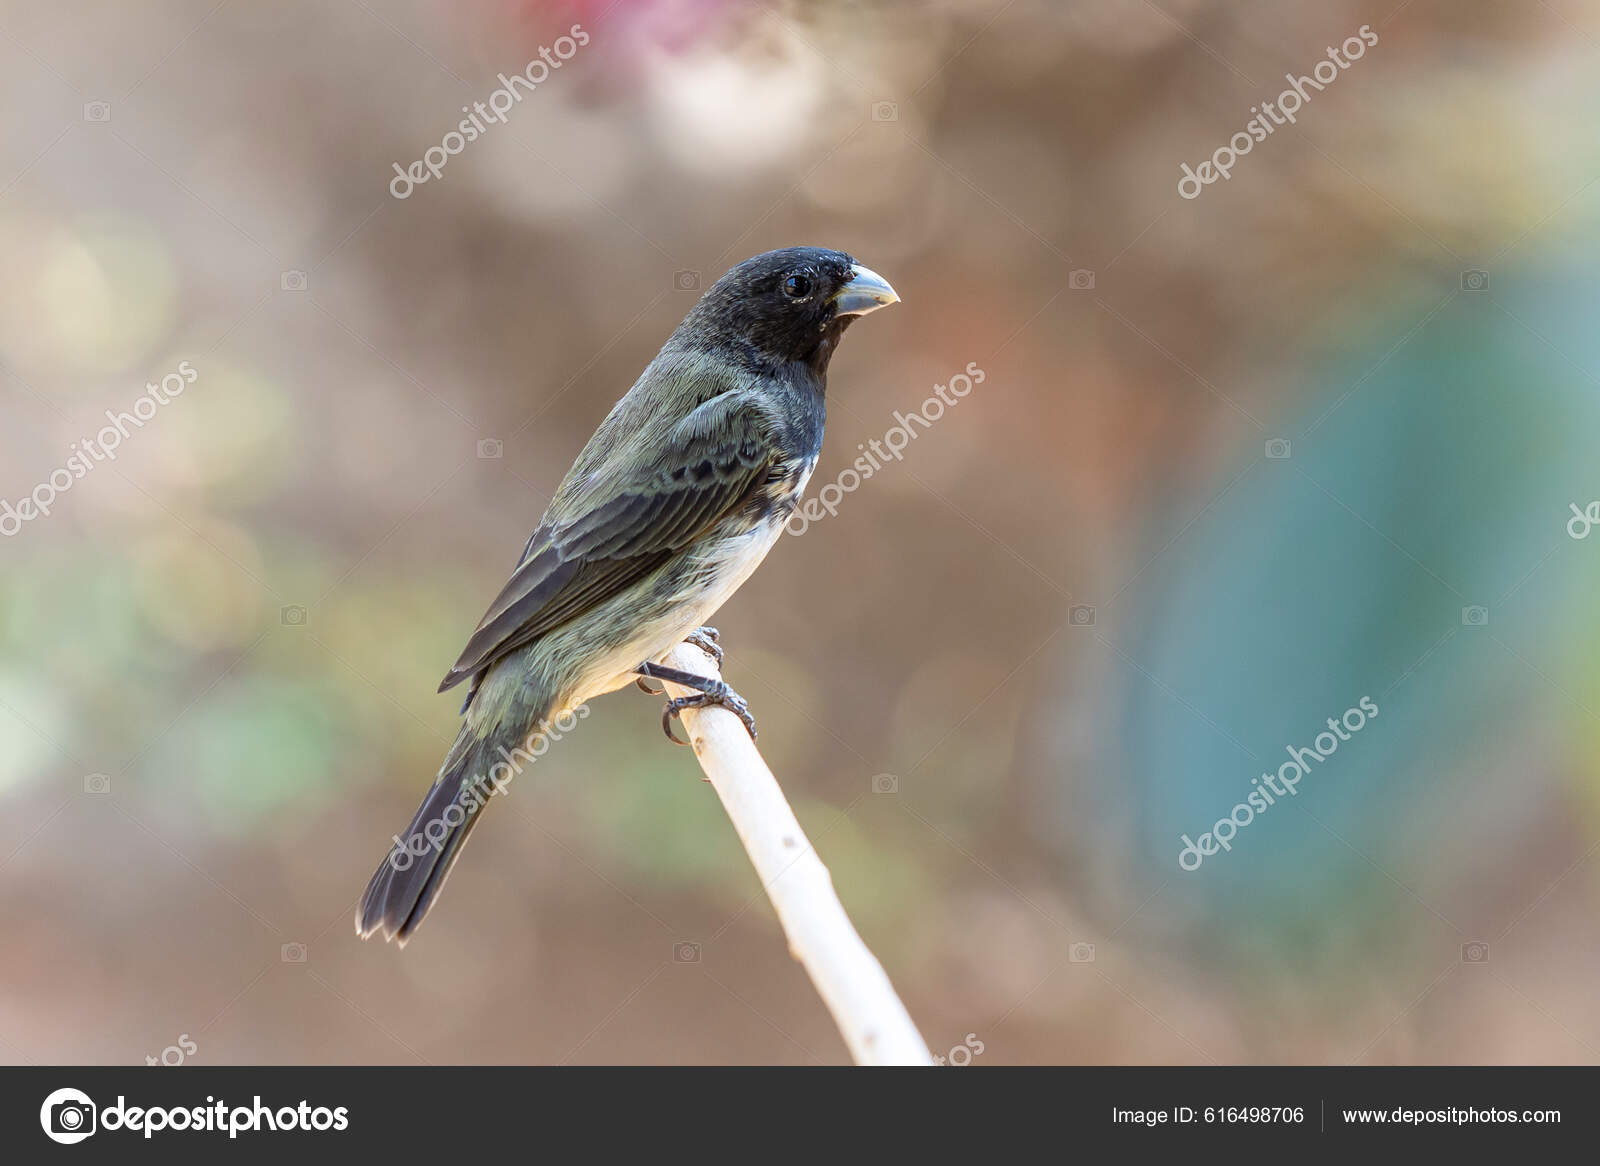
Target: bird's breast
x=732, y=555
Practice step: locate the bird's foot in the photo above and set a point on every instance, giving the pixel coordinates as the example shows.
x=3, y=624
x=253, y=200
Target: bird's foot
x=709, y=691
x=722, y=696
x=708, y=641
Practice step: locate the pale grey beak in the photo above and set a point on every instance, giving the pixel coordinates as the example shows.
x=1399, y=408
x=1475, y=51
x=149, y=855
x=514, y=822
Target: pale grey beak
x=866, y=292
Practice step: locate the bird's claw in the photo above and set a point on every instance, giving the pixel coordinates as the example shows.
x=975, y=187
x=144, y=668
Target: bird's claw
x=706, y=639
x=666, y=722
x=705, y=690
x=722, y=696
x=645, y=688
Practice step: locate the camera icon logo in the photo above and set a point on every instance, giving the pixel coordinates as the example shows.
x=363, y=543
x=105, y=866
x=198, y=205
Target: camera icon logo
x=97, y=783
x=1476, y=952
x=1475, y=279
x=97, y=111
x=1081, y=953
x=686, y=280
x=68, y=1116
x=1081, y=615
x=293, y=616
x=1081, y=279
x=1278, y=448
x=1475, y=616
x=292, y=953
x=491, y=447
x=685, y=952
x=885, y=111
x=885, y=783
x=292, y=281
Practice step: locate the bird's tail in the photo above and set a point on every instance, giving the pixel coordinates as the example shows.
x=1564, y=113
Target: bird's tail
x=411, y=876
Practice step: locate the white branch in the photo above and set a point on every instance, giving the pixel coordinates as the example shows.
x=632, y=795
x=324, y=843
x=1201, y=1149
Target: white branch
x=875, y=1025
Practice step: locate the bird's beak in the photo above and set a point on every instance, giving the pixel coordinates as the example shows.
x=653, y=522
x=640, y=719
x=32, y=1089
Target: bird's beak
x=866, y=292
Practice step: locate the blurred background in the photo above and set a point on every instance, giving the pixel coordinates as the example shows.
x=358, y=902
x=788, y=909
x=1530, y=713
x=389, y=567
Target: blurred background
x=1236, y=462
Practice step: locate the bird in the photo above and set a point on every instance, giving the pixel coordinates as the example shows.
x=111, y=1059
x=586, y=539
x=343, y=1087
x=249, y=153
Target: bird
x=673, y=503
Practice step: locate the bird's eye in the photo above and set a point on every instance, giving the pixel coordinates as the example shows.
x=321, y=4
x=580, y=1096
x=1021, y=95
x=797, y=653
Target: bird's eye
x=796, y=286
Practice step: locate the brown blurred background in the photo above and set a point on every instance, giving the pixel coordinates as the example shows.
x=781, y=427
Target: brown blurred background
x=1090, y=603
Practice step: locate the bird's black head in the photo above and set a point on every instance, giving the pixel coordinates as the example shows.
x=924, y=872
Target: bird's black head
x=786, y=306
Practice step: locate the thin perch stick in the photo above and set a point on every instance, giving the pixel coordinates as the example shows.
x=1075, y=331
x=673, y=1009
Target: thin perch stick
x=874, y=1023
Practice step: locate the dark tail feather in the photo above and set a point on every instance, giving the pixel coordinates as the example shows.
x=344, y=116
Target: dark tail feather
x=406, y=885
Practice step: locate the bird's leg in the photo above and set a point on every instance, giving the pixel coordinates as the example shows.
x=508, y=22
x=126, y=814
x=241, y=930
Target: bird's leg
x=704, y=638
x=709, y=691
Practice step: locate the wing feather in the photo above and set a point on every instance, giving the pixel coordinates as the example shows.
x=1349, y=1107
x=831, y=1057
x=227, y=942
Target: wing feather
x=636, y=518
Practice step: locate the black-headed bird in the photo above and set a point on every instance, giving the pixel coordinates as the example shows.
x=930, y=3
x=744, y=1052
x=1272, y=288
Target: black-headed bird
x=675, y=500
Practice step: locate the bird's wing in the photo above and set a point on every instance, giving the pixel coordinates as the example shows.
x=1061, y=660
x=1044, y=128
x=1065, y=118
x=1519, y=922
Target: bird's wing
x=633, y=515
